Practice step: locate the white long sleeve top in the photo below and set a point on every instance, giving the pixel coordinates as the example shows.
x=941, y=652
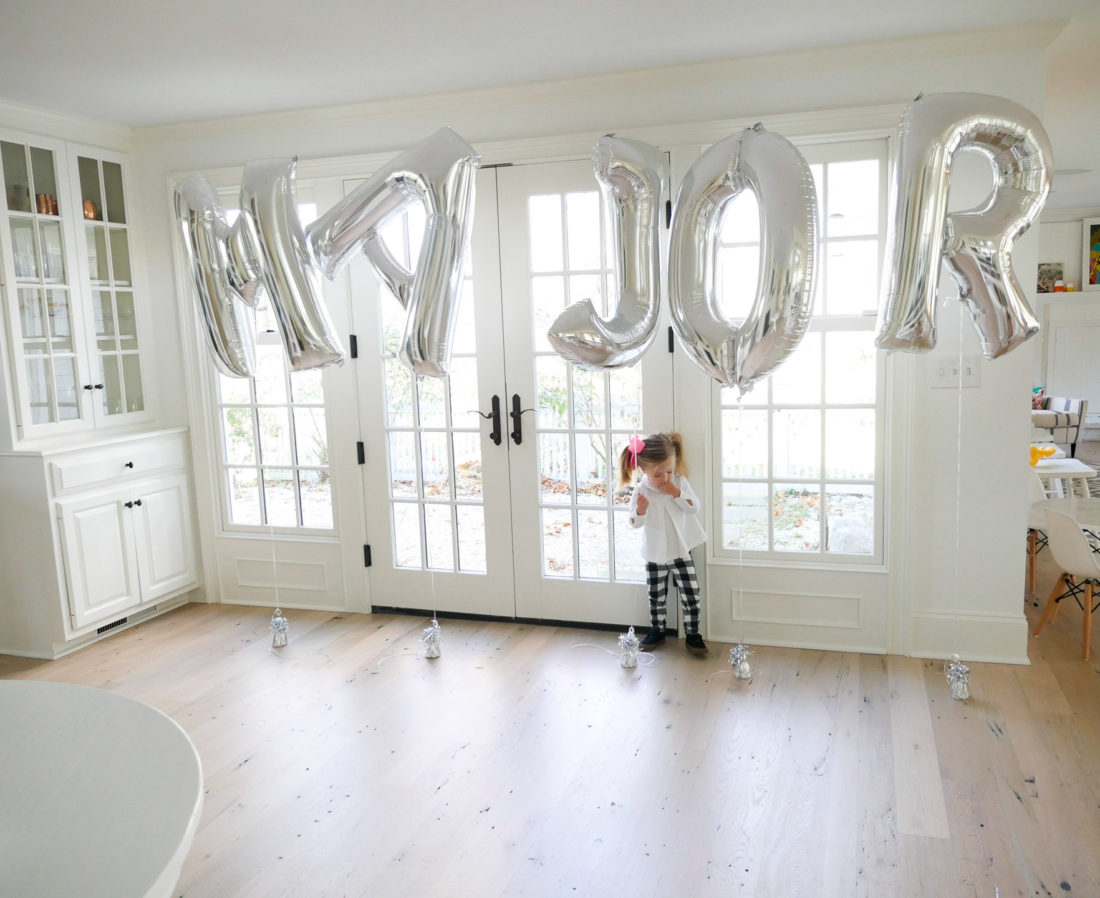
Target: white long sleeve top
x=672, y=526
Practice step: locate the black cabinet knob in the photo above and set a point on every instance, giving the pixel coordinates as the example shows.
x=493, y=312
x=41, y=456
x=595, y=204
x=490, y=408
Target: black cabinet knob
x=129, y=504
x=129, y=464
x=137, y=502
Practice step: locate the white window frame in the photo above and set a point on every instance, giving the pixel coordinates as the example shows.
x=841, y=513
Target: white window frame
x=821, y=153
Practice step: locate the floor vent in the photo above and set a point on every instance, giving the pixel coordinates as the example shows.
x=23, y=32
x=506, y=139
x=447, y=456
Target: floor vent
x=117, y=623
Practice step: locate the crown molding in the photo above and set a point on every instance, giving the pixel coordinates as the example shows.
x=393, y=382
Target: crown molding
x=815, y=126
x=445, y=105
x=66, y=127
x=1051, y=216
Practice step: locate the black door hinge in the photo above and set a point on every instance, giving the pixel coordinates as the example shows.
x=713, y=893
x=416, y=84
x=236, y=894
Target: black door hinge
x=361, y=452
x=366, y=556
x=668, y=214
x=354, y=340
x=671, y=339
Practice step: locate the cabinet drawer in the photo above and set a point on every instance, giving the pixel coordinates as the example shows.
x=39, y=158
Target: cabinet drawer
x=98, y=466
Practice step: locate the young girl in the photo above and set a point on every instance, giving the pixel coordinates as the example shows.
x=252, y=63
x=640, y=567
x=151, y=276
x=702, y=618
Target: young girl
x=664, y=504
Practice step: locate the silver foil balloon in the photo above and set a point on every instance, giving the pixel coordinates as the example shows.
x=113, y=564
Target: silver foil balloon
x=205, y=234
x=438, y=173
x=631, y=175
x=976, y=244
x=271, y=249
x=739, y=353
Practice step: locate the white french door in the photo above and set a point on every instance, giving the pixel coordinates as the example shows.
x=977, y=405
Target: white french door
x=530, y=527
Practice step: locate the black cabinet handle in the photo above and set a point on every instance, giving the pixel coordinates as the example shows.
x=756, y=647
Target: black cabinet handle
x=128, y=464
x=137, y=502
x=99, y=386
x=129, y=504
x=516, y=414
x=494, y=416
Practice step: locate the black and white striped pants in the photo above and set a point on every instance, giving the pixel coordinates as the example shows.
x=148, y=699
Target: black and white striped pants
x=682, y=570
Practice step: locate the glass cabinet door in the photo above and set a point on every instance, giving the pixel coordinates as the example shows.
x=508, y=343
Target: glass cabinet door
x=44, y=342
x=107, y=240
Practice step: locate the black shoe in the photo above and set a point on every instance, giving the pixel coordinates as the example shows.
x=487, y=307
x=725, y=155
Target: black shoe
x=695, y=644
x=653, y=639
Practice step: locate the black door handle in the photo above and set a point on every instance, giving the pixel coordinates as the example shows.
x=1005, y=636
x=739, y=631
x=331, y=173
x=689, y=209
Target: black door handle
x=517, y=419
x=494, y=416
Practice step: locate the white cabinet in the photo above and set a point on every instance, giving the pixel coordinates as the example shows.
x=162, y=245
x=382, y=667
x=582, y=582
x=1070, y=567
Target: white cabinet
x=92, y=538
x=70, y=301
x=127, y=547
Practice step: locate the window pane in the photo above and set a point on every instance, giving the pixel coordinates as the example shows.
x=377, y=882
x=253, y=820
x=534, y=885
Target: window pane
x=851, y=280
x=850, y=444
x=853, y=198
x=467, y=454
x=850, y=520
x=310, y=436
x=402, y=464
x=744, y=443
x=239, y=436
x=626, y=398
x=406, y=535
x=435, y=462
x=554, y=468
x=244, y=496
x=307, y=386
x=850, y=371
x=798, y=380
x=234, y=390
x=557, y=542
x=30, y=313
x=471, y=539
x=591, y=455
x=279, y=497
x=463, y=382
x=745, y=515
x=583, y=219
x=544, y=214
x=738, y=271
x=431, y=399
x=588, y=399
x=316, y=493
x=629, y=566
x=465, y=336
x=593, y=540
x=740, y=221
x=796, y=449
x=553, y=400
x=547, y=302
x=399, y=407
x=796, y=517
x=270, y=374
x=393, y=322
x=275, y=436
x=589, y=286
x=110, y=396
x=440, y=534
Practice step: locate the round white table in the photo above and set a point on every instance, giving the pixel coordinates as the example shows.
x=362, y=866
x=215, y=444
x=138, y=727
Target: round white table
x=100, y=795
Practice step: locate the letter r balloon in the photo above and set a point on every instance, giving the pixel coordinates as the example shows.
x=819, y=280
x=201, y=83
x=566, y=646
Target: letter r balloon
x=976, y=244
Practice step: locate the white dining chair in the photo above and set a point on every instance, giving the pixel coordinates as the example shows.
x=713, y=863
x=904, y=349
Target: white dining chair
x=1080, y=572
x=1036, y=526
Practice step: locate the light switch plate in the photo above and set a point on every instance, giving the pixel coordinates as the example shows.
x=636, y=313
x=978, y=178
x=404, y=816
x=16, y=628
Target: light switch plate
x=946, y=372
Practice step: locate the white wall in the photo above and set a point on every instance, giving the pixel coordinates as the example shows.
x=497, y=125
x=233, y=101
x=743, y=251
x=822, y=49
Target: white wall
x=927, y=608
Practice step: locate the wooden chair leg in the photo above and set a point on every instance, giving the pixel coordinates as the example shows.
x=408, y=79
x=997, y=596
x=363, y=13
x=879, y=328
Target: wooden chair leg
x=1070, y=583
x=1032, y=549
x=1088, y=619
x=1051, y=608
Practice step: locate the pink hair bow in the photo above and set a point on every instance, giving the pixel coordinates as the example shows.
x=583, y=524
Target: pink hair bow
x=635, y=444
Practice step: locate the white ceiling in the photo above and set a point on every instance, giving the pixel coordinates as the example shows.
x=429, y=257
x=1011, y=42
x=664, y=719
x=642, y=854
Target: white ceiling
x=146, y=62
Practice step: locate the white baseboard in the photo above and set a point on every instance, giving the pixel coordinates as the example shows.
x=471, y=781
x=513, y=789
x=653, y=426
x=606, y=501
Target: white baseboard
x=1000, y=639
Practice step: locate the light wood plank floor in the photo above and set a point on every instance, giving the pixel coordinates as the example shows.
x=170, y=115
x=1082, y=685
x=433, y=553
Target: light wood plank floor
x=524, y=761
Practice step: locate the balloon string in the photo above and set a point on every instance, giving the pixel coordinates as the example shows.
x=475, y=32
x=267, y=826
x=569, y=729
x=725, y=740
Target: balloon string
x=649, y=659
x=741, y=520
x=274, y=564
x=958, y=479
